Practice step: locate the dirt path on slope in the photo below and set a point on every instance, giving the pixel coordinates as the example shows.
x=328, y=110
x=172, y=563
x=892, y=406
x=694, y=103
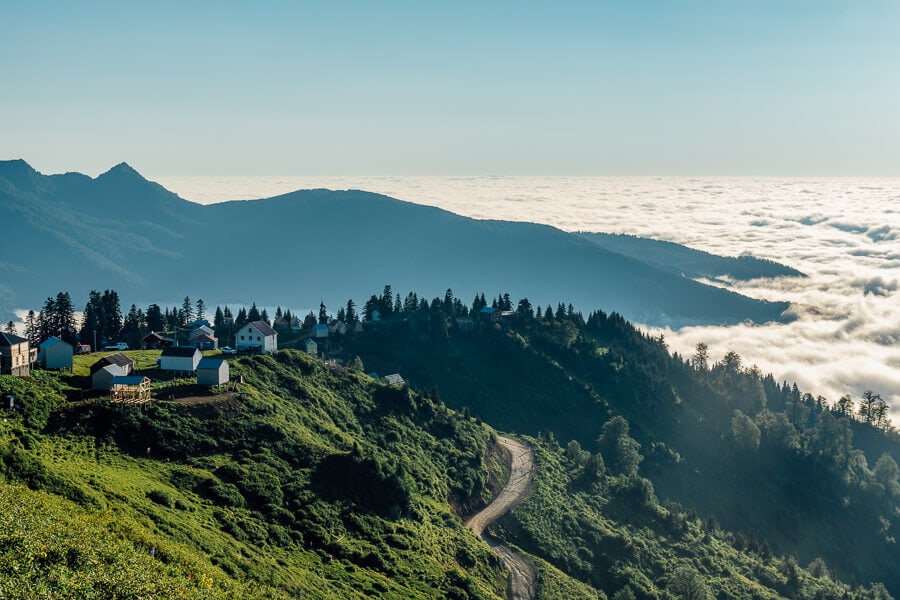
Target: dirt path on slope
x=522, y=580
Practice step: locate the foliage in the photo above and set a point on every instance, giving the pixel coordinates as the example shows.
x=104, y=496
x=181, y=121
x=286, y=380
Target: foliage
x=262, y=487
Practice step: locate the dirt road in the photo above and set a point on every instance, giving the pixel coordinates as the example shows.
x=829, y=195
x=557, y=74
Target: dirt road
x=522, y=580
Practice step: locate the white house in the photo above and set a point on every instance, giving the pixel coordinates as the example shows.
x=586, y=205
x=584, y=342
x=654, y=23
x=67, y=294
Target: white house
x=394, y=379
x=257, y=336
x=55, y=353
x=202, y=330
x=212, y=371
x=117, y=359
x=102, y=378
x=180, y=358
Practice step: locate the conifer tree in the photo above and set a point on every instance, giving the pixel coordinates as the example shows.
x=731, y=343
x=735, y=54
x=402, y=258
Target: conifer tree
x=187, y=311
x=31, y=328
x=254, y=314
x=155, y=320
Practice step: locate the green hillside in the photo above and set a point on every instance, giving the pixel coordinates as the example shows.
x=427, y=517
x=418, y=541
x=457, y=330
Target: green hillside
x=301, y=483
x=656, y=477
x=812, y=478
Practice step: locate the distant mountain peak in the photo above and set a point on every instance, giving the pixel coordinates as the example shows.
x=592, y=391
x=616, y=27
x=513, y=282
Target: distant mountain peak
x=20, y=174
x=17, y=166
x=122, y=171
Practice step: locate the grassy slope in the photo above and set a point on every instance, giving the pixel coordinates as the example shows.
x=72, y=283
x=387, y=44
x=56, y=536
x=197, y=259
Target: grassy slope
x=231, y=492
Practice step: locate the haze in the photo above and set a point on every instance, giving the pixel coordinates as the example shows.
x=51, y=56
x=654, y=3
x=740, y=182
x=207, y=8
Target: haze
x=600, y=87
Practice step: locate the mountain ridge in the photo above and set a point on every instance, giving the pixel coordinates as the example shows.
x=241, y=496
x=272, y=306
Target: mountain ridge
x=121, y=231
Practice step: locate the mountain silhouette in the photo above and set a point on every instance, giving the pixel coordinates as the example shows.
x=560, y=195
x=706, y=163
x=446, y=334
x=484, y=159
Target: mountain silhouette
x=120, y=231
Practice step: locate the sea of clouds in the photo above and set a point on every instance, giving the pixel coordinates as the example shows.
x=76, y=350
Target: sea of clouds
x=844, y=233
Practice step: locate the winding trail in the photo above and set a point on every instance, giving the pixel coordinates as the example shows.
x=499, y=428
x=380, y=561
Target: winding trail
x=522, y=580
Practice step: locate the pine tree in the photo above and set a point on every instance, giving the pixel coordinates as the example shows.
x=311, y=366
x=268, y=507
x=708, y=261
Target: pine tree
x=187, y=311
x=253, y=315
x=111, y=314
x=11, y=328
x=219, y=318
x=386, y=305
x=155, y=320
x=350, y=313
x=65, y=318
x=201, y=309
x=31, y=328
x=323, y=314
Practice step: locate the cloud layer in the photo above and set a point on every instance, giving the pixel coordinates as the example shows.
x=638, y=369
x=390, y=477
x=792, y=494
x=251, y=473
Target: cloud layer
x=843, y=232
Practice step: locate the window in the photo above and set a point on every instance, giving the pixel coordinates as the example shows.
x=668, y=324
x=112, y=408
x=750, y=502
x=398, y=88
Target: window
x=242, y=338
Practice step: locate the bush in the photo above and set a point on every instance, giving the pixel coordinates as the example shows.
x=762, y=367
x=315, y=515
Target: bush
x=160, y=497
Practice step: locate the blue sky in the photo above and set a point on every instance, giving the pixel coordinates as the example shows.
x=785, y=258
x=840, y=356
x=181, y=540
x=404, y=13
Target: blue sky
x=520, y=88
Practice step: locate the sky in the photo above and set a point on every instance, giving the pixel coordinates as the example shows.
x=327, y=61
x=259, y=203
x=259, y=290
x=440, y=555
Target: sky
x=761, y=87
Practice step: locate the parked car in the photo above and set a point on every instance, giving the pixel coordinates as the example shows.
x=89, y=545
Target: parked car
x=228, y=350
x=118, y=346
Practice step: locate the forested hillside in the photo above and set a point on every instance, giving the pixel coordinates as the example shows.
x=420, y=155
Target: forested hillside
x=657, y=476
x=808, y=477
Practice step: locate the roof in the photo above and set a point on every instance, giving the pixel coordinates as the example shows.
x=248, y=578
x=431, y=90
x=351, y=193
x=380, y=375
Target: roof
x=114, y=370
x=8, y=339
x=180, y=351
x=263, y=328
x=211, y=363
x=127, y=380
x=116, y=358
x=205, y=338
x=202, y=330
x=154, y=336
x=394, y=379
x=53, y=341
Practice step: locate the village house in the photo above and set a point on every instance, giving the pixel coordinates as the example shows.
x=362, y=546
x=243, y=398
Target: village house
x=321, y=331
x=205, y=342
x=394, y=379
x=112, y=365
x=102, y=378
x=257, y=336
x=16, y=357
x=212, y=371
x=116, y=358
x=55, y=353
x=310, y=346
x=336, y=327
x=154, y=341
x=201, y=330
x=180, y=358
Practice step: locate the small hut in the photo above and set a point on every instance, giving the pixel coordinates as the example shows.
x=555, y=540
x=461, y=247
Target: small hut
x=212, y=371
x=129, y=389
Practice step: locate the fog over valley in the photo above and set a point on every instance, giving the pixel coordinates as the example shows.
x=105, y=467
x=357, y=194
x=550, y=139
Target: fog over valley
x=844, y=233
